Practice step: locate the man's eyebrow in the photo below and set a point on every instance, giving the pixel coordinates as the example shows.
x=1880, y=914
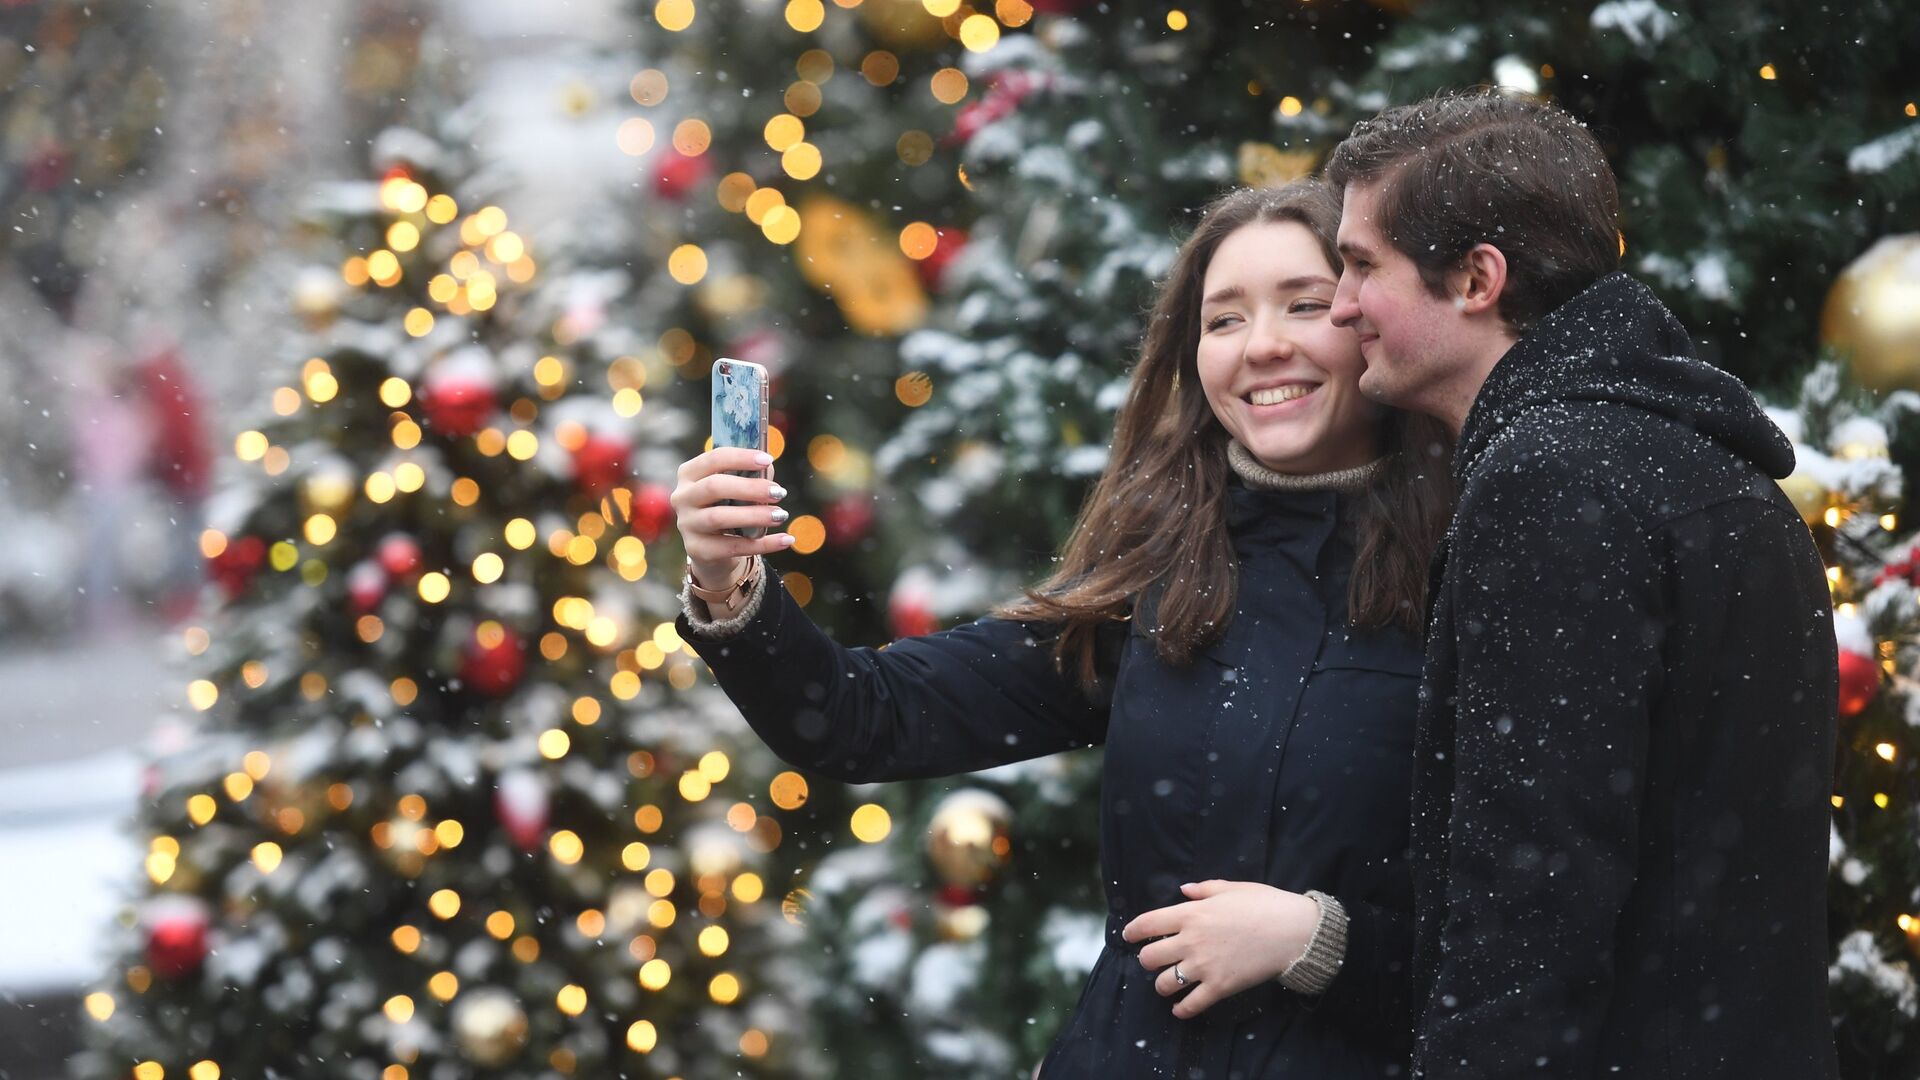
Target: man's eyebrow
x=1349, y=249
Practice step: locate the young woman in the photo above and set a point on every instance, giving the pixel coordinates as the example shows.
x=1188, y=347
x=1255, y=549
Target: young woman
x=1235, y=617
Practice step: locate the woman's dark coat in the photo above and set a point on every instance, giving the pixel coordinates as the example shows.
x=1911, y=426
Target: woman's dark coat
x=1282, y=754
x=1627, y=727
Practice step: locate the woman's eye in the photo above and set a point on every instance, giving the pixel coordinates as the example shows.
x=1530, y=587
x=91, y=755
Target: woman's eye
x=1218, y=321
x=1307, y=306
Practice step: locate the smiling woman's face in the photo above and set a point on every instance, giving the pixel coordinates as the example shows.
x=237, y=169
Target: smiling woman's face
x=1281, y=378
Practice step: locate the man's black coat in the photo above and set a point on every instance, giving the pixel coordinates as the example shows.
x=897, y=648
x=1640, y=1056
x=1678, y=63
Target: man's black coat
x=1625, y=747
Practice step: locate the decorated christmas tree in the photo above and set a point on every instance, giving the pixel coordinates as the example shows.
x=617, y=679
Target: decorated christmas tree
x=460, y=805
x=1854, y=449
x=801, y=200
x=1760, y=147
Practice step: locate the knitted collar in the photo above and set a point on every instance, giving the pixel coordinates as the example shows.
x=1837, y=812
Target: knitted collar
x=1261, y=478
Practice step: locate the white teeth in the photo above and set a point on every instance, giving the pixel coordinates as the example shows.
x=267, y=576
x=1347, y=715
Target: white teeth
x=1278, y=394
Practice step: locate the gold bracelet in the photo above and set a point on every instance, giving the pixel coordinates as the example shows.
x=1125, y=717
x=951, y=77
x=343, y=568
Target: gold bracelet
x=724, y=597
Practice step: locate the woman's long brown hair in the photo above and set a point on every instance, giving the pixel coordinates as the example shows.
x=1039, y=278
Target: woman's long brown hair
x=1157, y=517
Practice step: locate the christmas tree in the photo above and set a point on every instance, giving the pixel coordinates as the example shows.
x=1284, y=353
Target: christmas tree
x=1759, y=147
x=801, y=199
x=461, y=806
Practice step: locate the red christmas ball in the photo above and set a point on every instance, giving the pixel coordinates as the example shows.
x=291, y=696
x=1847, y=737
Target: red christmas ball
x=600, y=464
x=494, y=666
x=236, y=564
x=849, y=519
x=523, y=803
x=960, y=895
x=399, y=556
x=948, y=243
x=910, y=613
x=1859, y=682
x=366, y=586
x=680, y=174
x=458, y=406
x=177, y=945
x=652, y=512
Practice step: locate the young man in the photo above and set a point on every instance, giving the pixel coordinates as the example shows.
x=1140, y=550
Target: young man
x=1625, y=744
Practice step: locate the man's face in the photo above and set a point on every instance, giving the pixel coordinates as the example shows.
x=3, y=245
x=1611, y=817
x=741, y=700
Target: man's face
x=1409, y=337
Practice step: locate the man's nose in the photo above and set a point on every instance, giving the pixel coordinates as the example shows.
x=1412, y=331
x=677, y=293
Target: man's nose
x=1346, y=303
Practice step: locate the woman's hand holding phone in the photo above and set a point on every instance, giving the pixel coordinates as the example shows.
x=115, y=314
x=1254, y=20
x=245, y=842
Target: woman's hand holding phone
x=699, y=500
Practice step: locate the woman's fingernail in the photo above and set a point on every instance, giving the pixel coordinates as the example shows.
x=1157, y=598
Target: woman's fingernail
x=763, y=460
x=786, y=539
x=779, y=515
x=776, y=492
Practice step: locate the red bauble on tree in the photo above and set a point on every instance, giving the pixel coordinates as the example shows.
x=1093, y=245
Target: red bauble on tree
x=1003, y=96
x=366, y=586
x=910, y=607
x=399, y=556
x=1859, y=682
x=679, y=174
x=176, y=941
x=600, y=464
x=652, y=512
x=849, y=519
x=494, y=660
x=522, y=801
x=947, y=245
x=457, y=405
x=236, y=564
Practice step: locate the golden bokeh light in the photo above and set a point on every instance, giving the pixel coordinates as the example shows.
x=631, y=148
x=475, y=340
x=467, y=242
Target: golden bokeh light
x=871, y=823
x=691, y=137
x=809, y=532
x=687, y=264
x=949, y=85
x=635, y=136
x=801, y=161
x=783, y=131
x=880, y=67
x=566, y=846
x=649, y=87
x=979, y=33
x=788, y=790
x=805, y=15
x=674, y=15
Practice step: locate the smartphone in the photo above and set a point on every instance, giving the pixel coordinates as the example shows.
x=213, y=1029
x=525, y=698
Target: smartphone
x=740, y=392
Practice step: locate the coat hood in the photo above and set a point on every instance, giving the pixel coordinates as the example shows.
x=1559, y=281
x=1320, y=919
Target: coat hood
x=1616, y=342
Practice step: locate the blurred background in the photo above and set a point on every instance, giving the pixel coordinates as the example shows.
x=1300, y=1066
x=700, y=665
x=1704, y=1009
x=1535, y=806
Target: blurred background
x=347, y=353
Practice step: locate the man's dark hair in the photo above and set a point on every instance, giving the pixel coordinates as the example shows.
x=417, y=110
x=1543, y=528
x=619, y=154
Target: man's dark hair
x=1483, y=166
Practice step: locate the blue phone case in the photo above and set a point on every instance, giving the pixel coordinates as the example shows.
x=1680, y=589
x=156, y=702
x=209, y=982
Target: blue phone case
x=740, y=415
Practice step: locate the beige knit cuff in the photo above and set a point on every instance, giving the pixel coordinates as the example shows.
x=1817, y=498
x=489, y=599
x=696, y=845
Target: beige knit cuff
x=1313, y=972
x=700, y=617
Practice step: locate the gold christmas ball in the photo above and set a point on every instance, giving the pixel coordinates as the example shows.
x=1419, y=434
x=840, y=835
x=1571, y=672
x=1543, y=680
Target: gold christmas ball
x=577, y=99
x=490, y=1026
x=329, y=488
x=316, y=297
x=1266, y=165
x=1809, y=496
x=962, y=923
x=1873, y=315
x=903, y=24
x=968, y=838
